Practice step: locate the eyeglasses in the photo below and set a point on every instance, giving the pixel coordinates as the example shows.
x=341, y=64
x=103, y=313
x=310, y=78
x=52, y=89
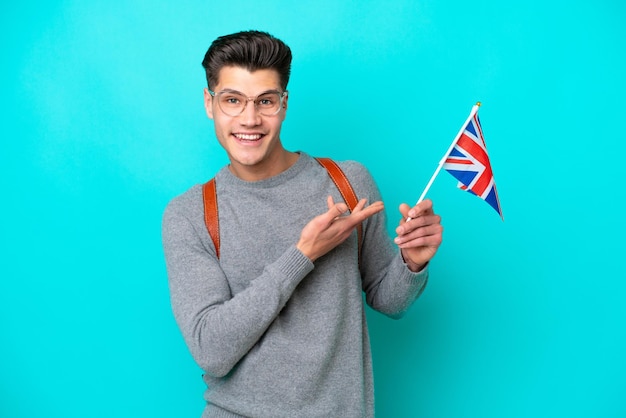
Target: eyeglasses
x=233, y=103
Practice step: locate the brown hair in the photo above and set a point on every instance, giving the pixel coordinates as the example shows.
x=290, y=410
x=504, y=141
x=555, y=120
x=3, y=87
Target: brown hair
x=252, y=50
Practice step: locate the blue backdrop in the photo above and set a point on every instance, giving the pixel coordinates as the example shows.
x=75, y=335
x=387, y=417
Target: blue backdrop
x=102, y=123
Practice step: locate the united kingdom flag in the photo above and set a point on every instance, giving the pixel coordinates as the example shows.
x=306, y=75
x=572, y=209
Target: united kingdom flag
x=469, y=163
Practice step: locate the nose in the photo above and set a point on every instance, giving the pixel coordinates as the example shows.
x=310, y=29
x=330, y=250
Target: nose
x=250, y=116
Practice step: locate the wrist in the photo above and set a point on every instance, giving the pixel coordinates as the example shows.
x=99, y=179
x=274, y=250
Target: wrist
x=306, y=251
x=414, y=267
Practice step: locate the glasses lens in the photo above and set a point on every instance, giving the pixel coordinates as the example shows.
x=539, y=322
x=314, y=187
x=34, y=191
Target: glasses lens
x=231, y=103
x=268, y=104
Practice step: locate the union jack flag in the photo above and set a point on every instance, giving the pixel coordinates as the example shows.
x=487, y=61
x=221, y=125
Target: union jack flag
x=469, y=163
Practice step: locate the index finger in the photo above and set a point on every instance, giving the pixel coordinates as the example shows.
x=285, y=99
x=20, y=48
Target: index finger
x=421, y=208
x=361, y=213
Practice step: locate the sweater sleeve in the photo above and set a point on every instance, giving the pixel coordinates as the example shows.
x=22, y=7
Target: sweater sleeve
x=389, y=286
x=220, y=328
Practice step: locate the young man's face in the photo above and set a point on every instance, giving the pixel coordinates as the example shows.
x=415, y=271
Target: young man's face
x=251, y=140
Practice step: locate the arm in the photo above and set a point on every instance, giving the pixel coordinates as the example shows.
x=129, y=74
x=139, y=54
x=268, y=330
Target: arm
x=392, y=279
x=220, y=328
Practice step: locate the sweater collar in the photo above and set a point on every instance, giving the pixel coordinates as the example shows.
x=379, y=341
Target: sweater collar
x=225, y=176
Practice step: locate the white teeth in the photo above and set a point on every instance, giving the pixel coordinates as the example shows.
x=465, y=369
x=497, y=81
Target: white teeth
x=248, y=137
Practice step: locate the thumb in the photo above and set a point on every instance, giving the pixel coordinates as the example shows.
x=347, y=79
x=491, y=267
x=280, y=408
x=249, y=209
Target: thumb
x=338, y=209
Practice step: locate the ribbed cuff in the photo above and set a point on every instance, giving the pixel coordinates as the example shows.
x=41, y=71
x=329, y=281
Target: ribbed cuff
x=292, y=267
x=414, y=277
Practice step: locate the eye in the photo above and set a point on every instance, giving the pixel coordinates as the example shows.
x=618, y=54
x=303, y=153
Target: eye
x=231, y=100
x=269, y=100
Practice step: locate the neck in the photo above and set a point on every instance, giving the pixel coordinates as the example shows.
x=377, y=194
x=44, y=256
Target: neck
x=269, y=168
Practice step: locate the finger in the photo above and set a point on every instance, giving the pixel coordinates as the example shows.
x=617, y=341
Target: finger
x=337, y=209
x=431, y=240
x=425, y=235
x=358, y=216
x=330, y=202
x=360, y=205
x=327, y=218
x=404, y=211
x=409, y=213
x=360, y=213
x=423, y=207
x=421, y=221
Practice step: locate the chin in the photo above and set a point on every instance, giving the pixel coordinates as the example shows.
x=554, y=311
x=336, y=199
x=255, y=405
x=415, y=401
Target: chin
x=248, y=160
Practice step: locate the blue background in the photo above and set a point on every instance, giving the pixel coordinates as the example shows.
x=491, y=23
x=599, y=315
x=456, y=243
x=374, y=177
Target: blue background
x=102, y=123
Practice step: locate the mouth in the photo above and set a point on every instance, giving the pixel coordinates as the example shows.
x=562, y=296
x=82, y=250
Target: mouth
x=248, y=137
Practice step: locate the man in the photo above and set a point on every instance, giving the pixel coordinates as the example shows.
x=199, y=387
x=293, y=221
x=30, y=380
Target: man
x=277, y=321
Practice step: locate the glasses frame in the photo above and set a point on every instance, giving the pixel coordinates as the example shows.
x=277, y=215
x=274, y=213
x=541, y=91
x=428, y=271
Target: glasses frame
x=281, y=96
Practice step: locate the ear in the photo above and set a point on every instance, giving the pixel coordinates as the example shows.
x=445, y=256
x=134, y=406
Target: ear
x=285, y=100
x=208, y=103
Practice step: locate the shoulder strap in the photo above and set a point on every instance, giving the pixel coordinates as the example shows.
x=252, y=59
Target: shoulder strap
x=211, y=215
x=346, y=190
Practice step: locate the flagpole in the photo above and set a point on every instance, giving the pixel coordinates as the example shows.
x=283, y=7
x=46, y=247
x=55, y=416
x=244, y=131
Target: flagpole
x=443, y=159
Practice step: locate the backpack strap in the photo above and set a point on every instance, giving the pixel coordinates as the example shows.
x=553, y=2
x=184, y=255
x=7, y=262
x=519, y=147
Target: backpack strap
x=211, y=215
x=346, y=190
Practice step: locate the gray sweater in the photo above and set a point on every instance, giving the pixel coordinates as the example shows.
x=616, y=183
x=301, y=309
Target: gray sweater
x=278, y=335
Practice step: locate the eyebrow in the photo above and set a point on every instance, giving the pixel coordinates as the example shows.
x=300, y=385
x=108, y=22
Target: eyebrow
x=243, y=94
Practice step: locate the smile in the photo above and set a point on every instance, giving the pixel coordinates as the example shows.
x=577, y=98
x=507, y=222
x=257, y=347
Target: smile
x=248, y=137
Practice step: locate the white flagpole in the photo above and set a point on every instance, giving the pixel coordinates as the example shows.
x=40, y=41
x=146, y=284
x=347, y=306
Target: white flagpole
x=443, y=159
